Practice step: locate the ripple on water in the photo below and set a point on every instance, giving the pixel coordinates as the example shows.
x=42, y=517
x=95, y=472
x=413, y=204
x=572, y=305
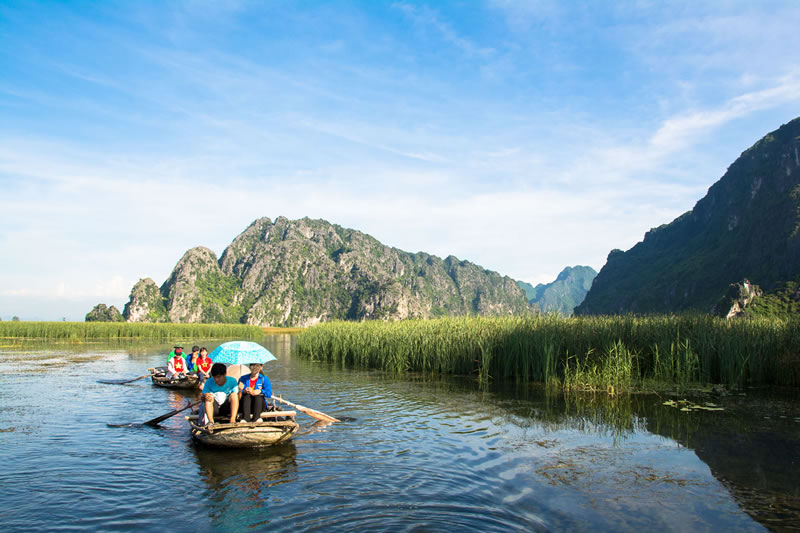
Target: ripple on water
x=416, y=456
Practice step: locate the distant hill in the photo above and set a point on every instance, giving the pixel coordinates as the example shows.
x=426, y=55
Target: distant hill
x=562, y=295
x=746, y=227
x=301, y=272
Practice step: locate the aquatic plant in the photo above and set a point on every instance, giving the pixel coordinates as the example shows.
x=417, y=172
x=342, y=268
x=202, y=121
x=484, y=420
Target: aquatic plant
x=79, y=331
x=611, y=353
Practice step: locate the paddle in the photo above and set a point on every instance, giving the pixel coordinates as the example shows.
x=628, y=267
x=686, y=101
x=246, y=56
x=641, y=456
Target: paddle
x=156, y=420
x=120, y=382
x=306, y=410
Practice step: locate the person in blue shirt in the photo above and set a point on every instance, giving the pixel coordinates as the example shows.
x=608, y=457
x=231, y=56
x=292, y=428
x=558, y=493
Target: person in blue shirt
x=192, y=357
x=220, y=396
x=253, y=393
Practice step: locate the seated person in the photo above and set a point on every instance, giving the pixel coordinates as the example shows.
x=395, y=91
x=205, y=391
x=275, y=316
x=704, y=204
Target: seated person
x=202, y=365
x=178, y=350
x=220, y=396
x=253, y=393
x=190, y=358
x=176, y=368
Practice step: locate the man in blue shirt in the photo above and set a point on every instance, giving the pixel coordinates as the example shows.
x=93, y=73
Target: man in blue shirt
x=220, y=396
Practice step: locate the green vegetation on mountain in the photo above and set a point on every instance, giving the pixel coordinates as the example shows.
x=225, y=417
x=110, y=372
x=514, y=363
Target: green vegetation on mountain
x=562, y=295
x=302, y=272
x=103, y=313
x=745, y=227
x=781, y=303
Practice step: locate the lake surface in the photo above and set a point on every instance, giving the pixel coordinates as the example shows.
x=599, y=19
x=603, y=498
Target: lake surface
x=414, y=454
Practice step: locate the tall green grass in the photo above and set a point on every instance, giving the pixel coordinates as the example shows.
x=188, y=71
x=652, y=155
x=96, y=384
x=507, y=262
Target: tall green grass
x=78, y=331
x=608, y=353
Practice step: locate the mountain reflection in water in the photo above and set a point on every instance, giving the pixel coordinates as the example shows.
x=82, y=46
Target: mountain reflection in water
x=415, y=453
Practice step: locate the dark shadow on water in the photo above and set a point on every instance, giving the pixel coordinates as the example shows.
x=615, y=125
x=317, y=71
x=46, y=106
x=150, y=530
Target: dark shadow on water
x=242, y=485
x=752, y=447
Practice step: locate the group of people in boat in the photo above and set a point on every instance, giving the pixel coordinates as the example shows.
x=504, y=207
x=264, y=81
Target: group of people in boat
x=222, y=395
x=197, y=362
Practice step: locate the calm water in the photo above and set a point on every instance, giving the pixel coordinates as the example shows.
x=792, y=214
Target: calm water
x=414, y=455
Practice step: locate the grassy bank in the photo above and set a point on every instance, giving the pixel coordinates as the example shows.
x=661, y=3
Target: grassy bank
x=581, y=353
x=268, y=330
x=78, y=331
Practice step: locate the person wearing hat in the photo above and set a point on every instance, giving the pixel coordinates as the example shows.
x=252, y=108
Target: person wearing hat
x=176, y=366
x=177, y=350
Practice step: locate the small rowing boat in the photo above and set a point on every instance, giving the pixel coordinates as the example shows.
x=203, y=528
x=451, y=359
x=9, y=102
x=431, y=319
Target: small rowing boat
x=158, y=376
x=275, y=427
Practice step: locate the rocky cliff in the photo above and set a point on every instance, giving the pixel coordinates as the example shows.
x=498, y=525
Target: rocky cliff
x=103, y=313
x=746, y=227
x=301, y=272
x=564, y=294
x=146, y=303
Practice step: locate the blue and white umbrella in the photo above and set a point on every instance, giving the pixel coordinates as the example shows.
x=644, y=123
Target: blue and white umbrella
x=241, y=353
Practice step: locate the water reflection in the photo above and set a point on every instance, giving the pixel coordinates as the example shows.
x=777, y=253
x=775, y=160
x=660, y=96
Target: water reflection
x=752, y=448
x=416, y=453
x=242, y=486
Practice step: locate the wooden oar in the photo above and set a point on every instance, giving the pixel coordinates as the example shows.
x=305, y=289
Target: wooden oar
x=310, y=412
x=120, y=382
x=156, y=420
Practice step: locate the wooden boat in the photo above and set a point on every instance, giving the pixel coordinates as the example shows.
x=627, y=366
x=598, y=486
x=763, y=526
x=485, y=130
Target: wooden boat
x=158, y=376
x=277, y=427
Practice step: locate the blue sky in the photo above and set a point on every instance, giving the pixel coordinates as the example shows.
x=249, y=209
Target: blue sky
x=522, y=136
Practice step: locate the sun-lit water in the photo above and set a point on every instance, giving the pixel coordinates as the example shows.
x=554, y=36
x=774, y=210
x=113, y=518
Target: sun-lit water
x=413, y=455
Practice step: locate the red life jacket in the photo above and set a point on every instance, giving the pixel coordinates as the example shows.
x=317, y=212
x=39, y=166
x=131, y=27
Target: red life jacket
x=204, y=364
x=180, y=364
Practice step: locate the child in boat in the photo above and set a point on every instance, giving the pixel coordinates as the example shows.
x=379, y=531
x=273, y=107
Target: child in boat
x=190, y=358
x=176, y=367
x=202, y=365
x=220, y=396
x=253, y=393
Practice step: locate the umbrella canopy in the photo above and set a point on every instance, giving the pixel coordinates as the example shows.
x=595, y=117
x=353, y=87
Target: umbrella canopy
x=241, y=353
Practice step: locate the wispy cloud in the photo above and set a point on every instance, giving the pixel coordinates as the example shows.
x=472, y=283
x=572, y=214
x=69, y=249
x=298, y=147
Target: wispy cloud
x=469, y=139
x=426, y=17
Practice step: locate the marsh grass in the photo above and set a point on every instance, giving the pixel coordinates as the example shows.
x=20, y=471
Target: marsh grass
x=613, y=354
x=83, y=331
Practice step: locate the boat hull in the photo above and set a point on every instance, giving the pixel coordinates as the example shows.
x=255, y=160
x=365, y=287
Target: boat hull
x=159, y=379
x=254, y=435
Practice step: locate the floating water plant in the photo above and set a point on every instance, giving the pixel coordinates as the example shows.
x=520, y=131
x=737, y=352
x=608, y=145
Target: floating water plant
x=687, y=406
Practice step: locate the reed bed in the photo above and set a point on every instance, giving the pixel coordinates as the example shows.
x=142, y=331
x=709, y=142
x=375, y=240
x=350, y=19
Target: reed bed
x=79, y=331
x=614, y=353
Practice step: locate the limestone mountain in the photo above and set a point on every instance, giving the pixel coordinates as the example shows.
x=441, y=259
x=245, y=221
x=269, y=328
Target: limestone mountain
x=103, y=313
x=301, y=272
x=146, y=303
x=564, y=294
x=746, y=227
